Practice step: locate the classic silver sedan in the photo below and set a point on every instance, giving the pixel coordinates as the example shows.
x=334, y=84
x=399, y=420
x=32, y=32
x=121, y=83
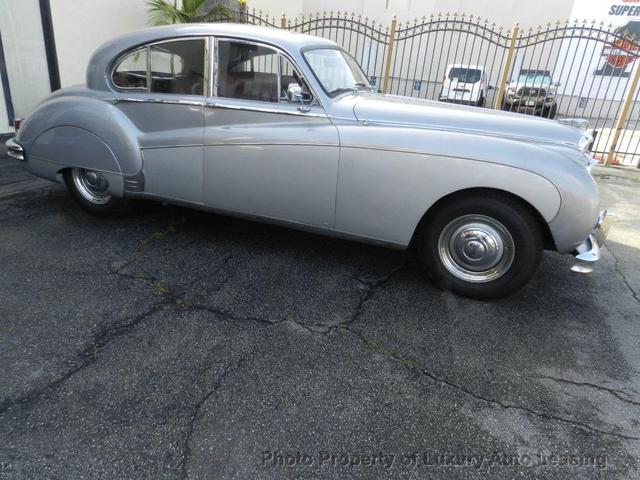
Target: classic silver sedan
x=285, y=128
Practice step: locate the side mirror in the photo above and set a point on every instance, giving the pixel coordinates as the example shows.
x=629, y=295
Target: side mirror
x=295, y=94
x=489, y=87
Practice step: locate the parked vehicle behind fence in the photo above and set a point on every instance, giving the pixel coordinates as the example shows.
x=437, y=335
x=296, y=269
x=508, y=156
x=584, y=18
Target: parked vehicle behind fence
x=465, y=84
x=533, y=92
x=285, y=128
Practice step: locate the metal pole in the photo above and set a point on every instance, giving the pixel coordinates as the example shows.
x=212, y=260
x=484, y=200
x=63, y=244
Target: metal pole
x=624, y=113
x=387, y=66
x=507, y=67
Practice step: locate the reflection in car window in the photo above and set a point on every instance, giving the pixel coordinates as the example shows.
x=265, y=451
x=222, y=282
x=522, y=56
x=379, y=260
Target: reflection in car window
x=178, y=67
x=131, y=72
x=247, y=71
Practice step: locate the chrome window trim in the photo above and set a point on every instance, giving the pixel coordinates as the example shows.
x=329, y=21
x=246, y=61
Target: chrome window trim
x=211, y=66
x=315, y=99
x=147, y=46
x=117, y=63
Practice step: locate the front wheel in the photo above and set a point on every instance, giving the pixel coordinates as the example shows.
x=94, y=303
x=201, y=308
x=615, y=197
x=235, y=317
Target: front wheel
x=483, y=246
x=550, y=112
x=91, y=190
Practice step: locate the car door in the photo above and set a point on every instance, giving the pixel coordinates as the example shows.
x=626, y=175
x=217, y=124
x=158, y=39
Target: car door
x=265, y=155
x=162, y=90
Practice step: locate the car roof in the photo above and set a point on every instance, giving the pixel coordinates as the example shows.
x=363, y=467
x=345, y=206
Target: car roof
x=102, y=59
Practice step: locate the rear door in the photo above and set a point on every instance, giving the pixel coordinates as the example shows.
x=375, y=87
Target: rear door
x=162, y=89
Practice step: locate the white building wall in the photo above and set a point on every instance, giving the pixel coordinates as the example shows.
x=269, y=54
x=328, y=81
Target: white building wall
x=80, y=27
x=24, y=54
x=4, y=121
x=505, y=13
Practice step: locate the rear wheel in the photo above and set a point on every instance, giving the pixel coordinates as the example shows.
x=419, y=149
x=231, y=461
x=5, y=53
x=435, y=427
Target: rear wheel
x=91, y=189
x=481, y=246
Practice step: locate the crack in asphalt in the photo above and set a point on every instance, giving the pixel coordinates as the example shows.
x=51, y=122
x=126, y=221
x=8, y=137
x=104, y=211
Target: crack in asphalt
x=374, y=345
x=186, y=453
x=117, y=329
x=370, y=285
x=87, y=357
x=620, y=394
x=618, y=270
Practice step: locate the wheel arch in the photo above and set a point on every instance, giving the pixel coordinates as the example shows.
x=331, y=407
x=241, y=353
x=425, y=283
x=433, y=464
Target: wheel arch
x=77, y=130
x=549, y=243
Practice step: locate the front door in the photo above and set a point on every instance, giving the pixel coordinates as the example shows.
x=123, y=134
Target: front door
x=265, y=155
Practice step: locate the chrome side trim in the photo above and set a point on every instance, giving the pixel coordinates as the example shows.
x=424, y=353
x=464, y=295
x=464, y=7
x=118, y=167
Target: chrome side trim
x=14, y=150
x=271, y=144
x=117, y=100
x=437, y=128
x=134, y=183
x=265, y=110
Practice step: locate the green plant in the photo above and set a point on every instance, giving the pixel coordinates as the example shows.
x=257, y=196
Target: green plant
x=165, y=12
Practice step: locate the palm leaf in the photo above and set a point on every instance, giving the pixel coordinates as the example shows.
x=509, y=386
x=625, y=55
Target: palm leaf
x=161, y=12
x=212, y=10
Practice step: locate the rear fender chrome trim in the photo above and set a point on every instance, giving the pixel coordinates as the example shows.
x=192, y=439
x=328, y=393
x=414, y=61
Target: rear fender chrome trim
x=14, y=150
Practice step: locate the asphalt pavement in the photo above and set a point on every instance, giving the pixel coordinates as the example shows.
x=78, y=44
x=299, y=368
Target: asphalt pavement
x=173, y=343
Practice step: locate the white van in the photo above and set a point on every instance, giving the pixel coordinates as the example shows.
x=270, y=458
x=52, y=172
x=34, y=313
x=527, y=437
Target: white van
x=466, y=84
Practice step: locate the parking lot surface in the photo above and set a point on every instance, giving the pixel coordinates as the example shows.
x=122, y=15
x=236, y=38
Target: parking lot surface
x=179, y=344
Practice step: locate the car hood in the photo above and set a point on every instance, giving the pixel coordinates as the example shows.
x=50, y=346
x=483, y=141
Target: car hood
x=412, y=112
x=519, y=85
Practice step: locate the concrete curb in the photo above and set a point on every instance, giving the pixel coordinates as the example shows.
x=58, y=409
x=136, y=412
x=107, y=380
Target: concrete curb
x=629, y=173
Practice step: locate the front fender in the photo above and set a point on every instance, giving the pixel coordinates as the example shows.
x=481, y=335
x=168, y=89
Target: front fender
x=410, y=168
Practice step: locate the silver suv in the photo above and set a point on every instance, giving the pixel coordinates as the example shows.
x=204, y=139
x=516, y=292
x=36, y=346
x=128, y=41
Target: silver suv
x=533, y=92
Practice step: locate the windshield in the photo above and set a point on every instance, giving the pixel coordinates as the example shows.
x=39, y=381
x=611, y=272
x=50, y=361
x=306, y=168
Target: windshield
x=535, y=78
x=464, y=75
x=336, y=70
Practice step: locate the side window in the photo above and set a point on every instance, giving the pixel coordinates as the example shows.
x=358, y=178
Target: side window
x=131, y=72
x=178, y=67
x=247, y=72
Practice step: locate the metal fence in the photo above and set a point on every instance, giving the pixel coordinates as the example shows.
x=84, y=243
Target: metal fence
x=563, y=70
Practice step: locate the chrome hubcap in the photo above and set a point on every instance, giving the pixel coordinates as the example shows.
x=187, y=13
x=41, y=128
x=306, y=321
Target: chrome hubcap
x=91, y=185
x=476, y=248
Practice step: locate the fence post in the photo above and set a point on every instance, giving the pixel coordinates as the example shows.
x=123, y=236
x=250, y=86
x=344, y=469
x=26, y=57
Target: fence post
x=624, y=113
x=387, y=65
x=283, y=21
x=506, y=67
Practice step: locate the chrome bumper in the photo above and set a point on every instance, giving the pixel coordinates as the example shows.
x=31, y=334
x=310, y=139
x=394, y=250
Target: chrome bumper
x=589, y=251
x=14, y=150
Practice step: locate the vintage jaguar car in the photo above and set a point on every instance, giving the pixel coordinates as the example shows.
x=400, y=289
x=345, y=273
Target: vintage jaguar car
x=285, y=128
